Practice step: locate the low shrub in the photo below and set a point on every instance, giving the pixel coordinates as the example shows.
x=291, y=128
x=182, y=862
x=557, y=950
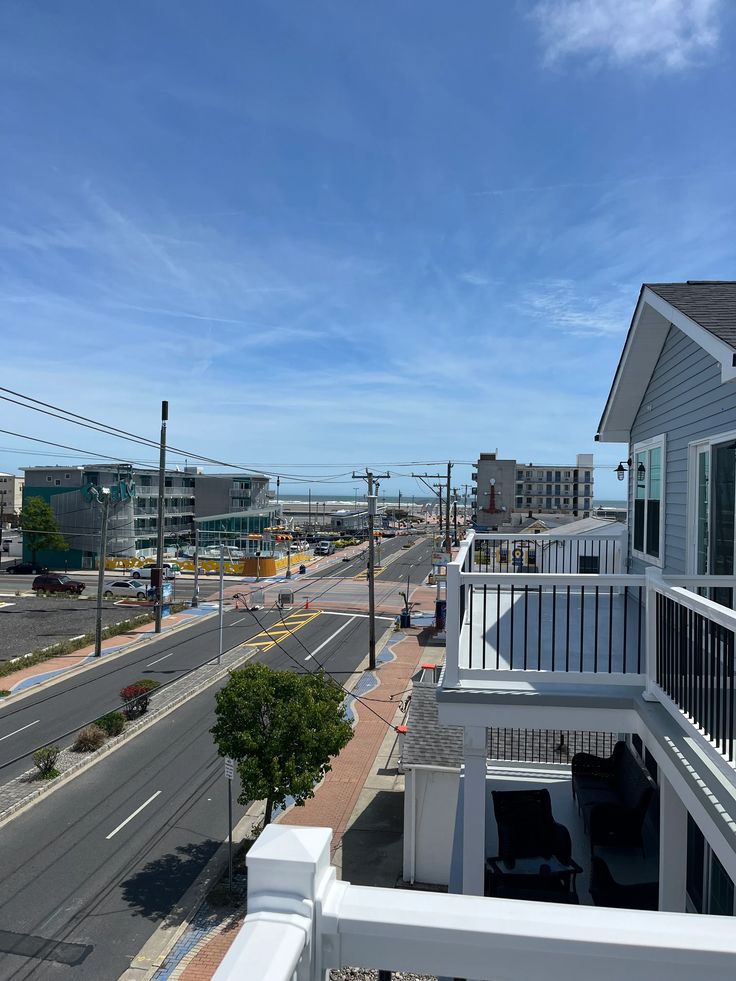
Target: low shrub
x=4, y=692
x=45, y=760
x=113, y=723
x=89, y=739
x=150, y=684
x=135, y=700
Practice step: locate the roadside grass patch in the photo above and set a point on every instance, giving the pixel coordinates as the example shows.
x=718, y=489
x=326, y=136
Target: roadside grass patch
x=112, y=724
x=89, y=739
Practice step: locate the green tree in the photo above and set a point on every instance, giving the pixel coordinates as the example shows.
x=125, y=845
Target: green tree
x=282, y=729
x=40, y=530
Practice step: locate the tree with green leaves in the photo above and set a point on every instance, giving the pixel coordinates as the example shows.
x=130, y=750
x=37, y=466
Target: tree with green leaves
x=40, y=530
x=282, y=729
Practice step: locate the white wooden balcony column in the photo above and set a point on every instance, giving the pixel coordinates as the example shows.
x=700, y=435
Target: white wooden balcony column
x=474, y=810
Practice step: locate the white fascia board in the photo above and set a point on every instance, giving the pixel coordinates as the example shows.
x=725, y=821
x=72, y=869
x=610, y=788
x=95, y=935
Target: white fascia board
x=641, y=352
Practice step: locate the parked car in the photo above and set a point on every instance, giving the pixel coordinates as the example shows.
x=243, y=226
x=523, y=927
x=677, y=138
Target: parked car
x=144, y=571
x=123, y=587
x=26, y=569
x=57, y=584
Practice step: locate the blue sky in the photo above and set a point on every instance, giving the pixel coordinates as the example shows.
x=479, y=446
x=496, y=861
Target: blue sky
x=338, y=233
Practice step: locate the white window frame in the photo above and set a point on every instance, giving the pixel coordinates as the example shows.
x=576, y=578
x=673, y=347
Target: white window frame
x=693, y=449
x=642, y=447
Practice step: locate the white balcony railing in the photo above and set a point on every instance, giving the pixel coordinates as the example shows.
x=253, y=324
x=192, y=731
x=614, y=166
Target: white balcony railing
x=657, y=633
x=302, y=922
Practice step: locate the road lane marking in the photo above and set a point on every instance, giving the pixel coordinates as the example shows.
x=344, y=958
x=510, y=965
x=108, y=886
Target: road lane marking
x=318, y=649
x=129, y=819
x=360, y=616
x=20, y=730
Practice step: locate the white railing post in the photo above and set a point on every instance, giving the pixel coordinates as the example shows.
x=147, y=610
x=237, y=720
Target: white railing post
x=653, y=578
x=289, y=876
x=452, y=626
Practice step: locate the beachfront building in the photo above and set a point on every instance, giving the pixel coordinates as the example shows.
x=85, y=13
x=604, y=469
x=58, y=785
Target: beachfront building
x=218, y=493
x=133, y=516
x=504, y=486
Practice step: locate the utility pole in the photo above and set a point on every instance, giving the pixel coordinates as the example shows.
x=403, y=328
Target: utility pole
x=278, y=484
x=372, y=480
x=103, y=498
x=195, y=594
x=454, y=514
x=309, y=523
x=160, y=530
x=448, y=535
x=437, y=489
x=398, y=509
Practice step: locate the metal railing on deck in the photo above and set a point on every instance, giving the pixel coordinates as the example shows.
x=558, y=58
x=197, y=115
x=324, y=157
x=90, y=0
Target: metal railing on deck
x=553, y=623
x=547, y=745
x=584, y=554
x=694, y=662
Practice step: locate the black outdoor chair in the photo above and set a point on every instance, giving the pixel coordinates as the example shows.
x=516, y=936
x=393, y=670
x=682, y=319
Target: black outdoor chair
x=526, y=827
x=607, y=892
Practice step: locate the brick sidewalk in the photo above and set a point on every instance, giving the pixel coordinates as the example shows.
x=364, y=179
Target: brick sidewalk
x=334, y=800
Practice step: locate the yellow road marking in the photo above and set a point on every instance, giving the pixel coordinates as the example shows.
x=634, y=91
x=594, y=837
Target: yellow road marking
x=269, y=638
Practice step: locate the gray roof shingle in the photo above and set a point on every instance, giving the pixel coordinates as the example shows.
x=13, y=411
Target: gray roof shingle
x=712, y=304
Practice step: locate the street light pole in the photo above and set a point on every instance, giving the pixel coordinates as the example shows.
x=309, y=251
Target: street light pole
x=370, y=478
x=103, y=498
x=222, y=598
x=160, y=529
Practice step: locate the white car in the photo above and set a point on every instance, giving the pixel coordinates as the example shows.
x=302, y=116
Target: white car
x=144, y=572
x=124, y=587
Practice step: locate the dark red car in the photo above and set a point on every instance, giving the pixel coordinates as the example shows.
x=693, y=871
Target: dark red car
x=57, y=584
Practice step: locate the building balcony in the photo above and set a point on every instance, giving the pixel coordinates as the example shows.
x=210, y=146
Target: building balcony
x=550, y=647
x=302, y=922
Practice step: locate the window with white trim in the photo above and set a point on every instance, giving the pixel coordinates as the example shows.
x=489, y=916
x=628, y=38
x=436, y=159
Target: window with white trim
x=648, y=518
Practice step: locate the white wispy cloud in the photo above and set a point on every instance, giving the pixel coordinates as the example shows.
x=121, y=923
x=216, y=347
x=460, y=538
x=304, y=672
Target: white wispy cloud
x=558, y=303
x=664, y=35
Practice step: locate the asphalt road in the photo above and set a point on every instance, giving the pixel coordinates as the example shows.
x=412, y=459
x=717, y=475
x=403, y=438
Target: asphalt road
x=49, y=715
x=86, y=880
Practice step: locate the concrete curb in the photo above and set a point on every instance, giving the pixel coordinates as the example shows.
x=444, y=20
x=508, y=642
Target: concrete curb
x=192, y=689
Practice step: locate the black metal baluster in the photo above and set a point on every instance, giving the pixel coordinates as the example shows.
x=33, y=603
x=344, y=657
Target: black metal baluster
x=610, y=628
x=732, y=695
x=638, y=631
x=567, y=632
x=526, y=622
x=552, y=666
x=625, y=658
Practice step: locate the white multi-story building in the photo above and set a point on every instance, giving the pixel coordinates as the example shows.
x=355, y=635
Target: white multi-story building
x=11, y=494
x=504, y=486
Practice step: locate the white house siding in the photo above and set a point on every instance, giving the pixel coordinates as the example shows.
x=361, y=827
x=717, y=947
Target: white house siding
x=435, y=801
x=686, y=400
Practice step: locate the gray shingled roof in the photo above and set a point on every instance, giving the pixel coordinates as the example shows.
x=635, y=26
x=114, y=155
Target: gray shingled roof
x=710, y=304
x=427, y=743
